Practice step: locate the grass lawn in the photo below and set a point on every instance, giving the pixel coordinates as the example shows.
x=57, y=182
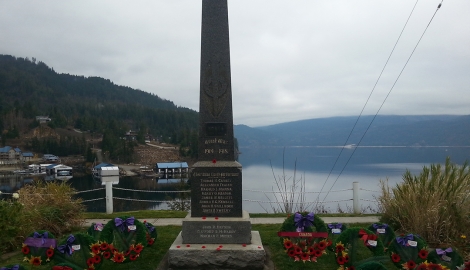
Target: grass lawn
x=151, y=256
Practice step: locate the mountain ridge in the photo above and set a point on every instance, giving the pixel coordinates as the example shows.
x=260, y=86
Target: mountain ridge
x=385, y=130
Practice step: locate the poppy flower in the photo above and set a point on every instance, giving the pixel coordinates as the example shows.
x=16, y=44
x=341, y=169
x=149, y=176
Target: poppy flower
x=305, y=257
x=423, y=254
x=297, y=250
x=133, y=257
x=50, y=252
x=90, y=261
x=151, y=241
x=104, y=246
x=127, y=252
x=291, y=253
x=97, y=259
x=25, y=249
x=317, y=253
x=311, y=250
x=339, y=248
x=138, y=248
x=346, y=258
x=107, y=254
x=322, y=245
x=422, y=267
x=118, y=257
x=329, y=242
x=95, y=248
x=395, y=258
x=288, y=244
x=410, y=264
x=36, y=261
x=340, y=260
x=434, y=266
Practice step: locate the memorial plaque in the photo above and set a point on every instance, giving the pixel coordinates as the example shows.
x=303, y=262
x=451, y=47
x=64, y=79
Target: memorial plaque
x=216, y=191
x=217, y=230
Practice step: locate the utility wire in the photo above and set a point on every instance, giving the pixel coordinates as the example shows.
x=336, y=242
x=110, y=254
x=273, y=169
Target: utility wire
x=438, y=7
x=367, y=101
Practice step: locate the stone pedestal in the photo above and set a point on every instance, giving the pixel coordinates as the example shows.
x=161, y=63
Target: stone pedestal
x=249, y=256
x=210, y=230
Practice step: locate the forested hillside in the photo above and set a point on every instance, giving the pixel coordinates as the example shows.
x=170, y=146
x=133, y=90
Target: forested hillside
x=29, y=88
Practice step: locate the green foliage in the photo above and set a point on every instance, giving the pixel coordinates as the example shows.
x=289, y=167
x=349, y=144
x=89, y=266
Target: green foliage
x=31, y=88
x=435, y=204
x=62, y=147
x=12, y=225
x=50, y=206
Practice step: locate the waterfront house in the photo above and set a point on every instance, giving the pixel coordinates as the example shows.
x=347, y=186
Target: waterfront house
x=27, y=156
x=172, y=168
x=59, y=172
x=42, y=119
x=10, y=155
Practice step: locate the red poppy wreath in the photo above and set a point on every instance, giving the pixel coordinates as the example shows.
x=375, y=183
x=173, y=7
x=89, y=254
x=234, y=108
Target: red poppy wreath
x=304, y=237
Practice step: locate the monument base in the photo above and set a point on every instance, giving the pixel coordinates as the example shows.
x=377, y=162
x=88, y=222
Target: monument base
x=215, y=230
x=216, y=256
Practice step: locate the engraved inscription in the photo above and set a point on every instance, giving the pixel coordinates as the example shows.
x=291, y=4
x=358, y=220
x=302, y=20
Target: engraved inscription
x=216, y=189
x=216, y=231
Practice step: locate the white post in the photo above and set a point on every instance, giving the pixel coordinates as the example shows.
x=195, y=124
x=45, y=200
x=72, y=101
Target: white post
x=356, y=206
x=109, y=197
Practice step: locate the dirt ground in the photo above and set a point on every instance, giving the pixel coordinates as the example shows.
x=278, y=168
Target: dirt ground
x=149, y=155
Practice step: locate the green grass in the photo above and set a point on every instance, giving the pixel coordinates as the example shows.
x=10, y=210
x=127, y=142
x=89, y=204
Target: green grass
x=181, y=214
x=151, y=256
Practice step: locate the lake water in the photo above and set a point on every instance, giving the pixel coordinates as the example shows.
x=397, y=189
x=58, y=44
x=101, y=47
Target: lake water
x=315, y=165
x=365, y=165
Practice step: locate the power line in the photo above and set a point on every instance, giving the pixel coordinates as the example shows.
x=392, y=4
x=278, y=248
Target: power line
x=367, y=101
x=399, y=75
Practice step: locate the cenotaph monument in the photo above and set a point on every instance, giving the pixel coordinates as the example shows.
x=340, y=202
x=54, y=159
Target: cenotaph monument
x=216, y=234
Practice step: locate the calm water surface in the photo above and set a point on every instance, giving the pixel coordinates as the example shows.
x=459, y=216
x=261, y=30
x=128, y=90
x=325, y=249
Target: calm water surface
x=319, y=167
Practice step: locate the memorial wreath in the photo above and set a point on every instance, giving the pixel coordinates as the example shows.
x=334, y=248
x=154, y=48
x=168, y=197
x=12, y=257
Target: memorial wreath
x=301, y=242
x=123, y=239
x=79, y=251
x=384, y=232
x=38, y=247
x=444, y=258
x=346, y=248
x=409, y=252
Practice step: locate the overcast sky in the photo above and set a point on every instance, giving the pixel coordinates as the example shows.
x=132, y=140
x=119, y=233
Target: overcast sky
x=290, y=60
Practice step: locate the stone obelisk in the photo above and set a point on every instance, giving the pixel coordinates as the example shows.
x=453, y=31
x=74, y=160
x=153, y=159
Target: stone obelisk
x=216, y=215
x=216, y=179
